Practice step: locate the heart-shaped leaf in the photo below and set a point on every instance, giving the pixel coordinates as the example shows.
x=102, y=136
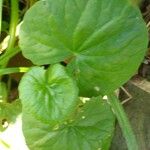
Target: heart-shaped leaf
x=105, y=40
x=91, y=128
x=48, y=94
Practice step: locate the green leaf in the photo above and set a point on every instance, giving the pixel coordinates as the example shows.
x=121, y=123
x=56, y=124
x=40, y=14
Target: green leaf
x=91, y=128
x=105, y=40
x=9, y=112
x=48, y=94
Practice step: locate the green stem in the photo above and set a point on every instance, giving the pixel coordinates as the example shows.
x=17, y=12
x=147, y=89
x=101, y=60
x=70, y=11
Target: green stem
x=5, y=71
x=13, y=24
x=123, y=122
x=11, y=50
x=7, y=55
x=1, y=8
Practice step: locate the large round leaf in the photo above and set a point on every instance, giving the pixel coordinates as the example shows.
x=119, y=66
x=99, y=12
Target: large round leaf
x=104, y=39
x=49, y=95
x=90, y=129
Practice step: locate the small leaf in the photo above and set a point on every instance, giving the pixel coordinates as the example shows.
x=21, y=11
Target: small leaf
x=9, y=112
x=48, y=94
x=106, y=40
x=90, y=129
